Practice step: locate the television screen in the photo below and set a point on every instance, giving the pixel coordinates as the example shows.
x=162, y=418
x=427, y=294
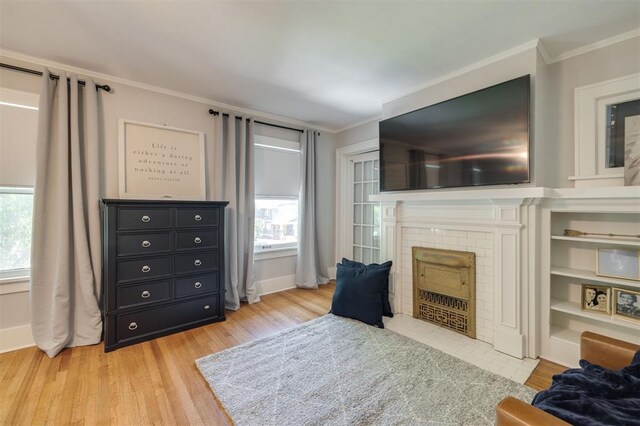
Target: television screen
x=481, y=138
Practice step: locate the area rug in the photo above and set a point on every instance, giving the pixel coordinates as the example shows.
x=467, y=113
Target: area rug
x=336, y=371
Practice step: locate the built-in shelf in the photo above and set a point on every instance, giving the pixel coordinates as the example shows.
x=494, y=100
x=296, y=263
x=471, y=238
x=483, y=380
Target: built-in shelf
x=584, y=274
x=569, y=261
x=595, y=240
x=574, y=309
x=567, y=335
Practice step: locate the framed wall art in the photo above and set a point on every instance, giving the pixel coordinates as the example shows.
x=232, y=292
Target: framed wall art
x=618, y=263
x=160, y=162
x=596, y=298
x=626, y=304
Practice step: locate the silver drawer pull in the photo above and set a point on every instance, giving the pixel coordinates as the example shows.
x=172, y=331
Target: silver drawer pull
x=145, y=294
x=133, y=326
x=198, y=218
x=146, y=244
x=206, y=306
x=197, y=262
x=145, y=218
x=146, y=268
x=198, y=284
x=197, y=240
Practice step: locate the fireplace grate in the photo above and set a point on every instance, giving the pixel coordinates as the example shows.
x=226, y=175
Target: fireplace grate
x=444, y=288
x=444, y=311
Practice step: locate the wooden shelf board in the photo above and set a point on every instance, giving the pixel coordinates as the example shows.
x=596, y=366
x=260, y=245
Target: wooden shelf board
x=574, y=309
x=591, y=276
x=603, y=240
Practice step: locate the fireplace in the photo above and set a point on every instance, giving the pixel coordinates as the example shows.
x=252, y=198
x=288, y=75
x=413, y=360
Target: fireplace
x=444, y=288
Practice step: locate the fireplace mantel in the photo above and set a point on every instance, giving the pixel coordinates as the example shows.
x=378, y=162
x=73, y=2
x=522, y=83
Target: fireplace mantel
x=499, y=225
x=466, y=194
x=503, y=227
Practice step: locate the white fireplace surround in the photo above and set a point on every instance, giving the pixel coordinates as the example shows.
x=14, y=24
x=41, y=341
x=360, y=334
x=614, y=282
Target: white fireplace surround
x=501, y=227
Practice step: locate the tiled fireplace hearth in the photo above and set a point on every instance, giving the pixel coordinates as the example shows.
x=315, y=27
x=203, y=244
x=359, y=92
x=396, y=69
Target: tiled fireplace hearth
x=499, y=226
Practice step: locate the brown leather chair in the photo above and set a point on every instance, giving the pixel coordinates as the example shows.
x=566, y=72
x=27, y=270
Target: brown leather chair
x=597, y=349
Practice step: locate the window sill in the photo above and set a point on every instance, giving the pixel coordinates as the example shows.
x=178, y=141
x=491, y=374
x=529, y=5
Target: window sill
x=274, y=253
x=14, y=284
x=16, y=277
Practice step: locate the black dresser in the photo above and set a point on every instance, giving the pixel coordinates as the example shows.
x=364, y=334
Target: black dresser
x=163, y=268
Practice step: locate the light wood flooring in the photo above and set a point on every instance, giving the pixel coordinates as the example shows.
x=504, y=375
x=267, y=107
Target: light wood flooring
x=154, y=382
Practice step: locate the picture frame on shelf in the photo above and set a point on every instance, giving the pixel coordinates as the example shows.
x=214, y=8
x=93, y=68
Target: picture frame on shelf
x=626, y=304
x=596, y=298
x=160, y=162
x=618, y=263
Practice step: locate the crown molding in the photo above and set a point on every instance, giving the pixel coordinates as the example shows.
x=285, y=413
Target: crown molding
x=543, y=52
x=597, y=45
x=359, y=123
x=161, y=90
x=460, y=71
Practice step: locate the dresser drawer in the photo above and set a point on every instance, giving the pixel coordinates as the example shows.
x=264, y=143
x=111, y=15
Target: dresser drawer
x=164, y=318
x=197, y=217
x=143, y=293
x=197, y=284
x=134, y=244
x=197, y=262
x=132, y=270
x=197, y=239
x=143, y=218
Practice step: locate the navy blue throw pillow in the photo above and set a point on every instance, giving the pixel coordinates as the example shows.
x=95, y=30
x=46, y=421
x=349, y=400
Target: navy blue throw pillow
x=386, y=306
x=358, y=293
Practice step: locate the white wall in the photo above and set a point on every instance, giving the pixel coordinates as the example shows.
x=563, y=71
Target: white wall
x=354, y=135
x=152, y=107
x=616, y=60
x=554, y=150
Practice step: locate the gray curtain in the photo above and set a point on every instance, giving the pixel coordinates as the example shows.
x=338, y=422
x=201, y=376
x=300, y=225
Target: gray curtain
x=233, y=180
x=65, y=246
x=307, y=263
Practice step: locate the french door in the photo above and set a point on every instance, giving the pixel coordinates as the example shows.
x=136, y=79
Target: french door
x=363, y=180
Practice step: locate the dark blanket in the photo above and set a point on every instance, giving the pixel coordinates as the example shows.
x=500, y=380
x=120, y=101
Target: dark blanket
x=593, y=395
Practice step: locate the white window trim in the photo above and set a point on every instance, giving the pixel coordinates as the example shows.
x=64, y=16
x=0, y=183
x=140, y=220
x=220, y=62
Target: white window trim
x=275, y=253
x=16, y=190
x=21, y=275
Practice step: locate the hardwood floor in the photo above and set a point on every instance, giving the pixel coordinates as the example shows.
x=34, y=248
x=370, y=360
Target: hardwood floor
x=152, y=382
x=541, y=377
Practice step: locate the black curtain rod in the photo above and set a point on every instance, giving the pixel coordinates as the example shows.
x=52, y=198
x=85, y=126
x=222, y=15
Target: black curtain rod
x=212, y=112
x=104, y=87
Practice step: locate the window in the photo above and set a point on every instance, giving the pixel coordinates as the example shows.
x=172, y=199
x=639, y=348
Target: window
x=276, y=223
x=18, y=126
x=277, y=179
x=16, y=208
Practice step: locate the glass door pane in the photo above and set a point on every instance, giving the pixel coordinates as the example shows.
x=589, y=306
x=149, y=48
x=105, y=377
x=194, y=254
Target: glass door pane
x=366, y=213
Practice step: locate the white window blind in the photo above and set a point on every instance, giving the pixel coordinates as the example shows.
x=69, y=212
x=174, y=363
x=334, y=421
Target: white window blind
x=277, y=167
x=18, y=127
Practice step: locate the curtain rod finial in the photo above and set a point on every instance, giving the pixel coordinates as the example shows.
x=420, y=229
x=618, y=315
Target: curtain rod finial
x=212, y=112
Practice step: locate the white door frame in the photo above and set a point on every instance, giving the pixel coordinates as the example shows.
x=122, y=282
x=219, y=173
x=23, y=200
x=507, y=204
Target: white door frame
x=343, y=210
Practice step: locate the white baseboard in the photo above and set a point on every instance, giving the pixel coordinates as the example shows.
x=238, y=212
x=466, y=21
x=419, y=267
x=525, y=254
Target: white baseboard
x=332, y=273
x=15, y=338
x=277, y=284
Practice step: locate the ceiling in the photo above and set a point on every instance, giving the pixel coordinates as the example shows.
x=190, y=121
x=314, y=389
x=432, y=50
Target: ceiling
x=326, y=63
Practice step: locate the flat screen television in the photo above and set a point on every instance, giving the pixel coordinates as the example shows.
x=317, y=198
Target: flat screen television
x=481, y=138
